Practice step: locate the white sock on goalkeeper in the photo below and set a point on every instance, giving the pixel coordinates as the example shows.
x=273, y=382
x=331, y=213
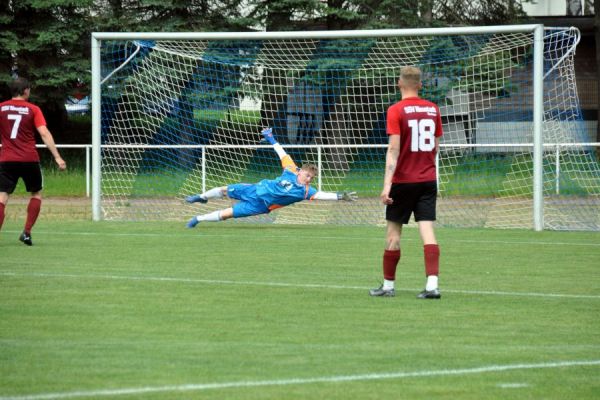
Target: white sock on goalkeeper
x=214, y=216
x=215, y=193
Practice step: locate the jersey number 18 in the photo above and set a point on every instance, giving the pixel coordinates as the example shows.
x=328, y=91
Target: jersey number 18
x=422, y=135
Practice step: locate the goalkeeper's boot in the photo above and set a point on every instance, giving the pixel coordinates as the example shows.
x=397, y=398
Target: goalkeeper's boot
x=26, y=238
x=381, y=292
x=430, y=294
x=192, y=222
x=196, y=198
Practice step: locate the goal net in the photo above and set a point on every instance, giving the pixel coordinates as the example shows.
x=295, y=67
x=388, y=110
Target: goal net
x=182, y=116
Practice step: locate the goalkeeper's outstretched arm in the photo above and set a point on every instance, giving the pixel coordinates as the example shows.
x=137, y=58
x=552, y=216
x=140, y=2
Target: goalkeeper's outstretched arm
x=344, y=196
x=286, y=160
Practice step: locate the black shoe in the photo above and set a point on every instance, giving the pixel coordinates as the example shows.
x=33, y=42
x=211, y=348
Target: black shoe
x=26, y=238
x=430, y=294
x=381, y=292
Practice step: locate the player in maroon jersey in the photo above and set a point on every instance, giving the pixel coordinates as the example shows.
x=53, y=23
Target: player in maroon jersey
x=414, y=126
x=19, y=120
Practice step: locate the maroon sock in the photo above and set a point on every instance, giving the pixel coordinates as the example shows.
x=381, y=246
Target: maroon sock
x=390, y=262
x=33, y=210
x=1, y=214
x=432, y=259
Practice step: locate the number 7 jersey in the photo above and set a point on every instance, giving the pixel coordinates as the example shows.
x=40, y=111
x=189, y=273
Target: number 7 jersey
x=418, y=122
x=18, y=122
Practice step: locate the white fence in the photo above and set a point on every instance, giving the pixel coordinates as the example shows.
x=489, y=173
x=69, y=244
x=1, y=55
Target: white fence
x=555, y=148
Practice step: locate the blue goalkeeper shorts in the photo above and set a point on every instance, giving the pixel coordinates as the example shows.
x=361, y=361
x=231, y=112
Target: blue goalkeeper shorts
x=249, y=204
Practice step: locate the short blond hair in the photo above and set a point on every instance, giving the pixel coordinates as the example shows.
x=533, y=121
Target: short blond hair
x=411, y=76
x=310, y=168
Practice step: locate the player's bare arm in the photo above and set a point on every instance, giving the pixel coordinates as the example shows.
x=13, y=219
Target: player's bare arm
x=49, y=142
x=391, y=160
x=339, y=196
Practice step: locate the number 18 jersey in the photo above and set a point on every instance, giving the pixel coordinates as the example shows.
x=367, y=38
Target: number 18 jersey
x=418, y=122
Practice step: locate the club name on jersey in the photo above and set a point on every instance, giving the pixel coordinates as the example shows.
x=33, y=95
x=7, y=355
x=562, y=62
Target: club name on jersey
x=20, y=110
x=430, y=110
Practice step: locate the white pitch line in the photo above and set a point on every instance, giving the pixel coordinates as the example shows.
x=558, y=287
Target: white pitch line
x=512, y=385
x=526, y=294
x=284, y=284
x=527, y=242
x=299, y=381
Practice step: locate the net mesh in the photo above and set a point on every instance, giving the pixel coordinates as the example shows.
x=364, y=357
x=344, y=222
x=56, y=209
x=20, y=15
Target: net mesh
x=181, y=117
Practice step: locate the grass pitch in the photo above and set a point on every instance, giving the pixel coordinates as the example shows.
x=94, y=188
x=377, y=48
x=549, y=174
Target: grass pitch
x=242, y=311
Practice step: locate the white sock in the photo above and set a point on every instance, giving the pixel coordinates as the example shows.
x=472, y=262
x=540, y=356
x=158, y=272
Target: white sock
x=215, y=193
x=387, y=285
x=214, y=216
x=432, y=283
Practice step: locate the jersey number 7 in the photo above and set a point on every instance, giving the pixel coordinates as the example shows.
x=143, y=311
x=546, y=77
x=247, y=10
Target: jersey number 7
x=422, y=134
x=15, y=128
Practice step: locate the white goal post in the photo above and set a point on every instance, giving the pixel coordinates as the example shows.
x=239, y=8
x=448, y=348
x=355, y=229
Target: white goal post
x=176, y=113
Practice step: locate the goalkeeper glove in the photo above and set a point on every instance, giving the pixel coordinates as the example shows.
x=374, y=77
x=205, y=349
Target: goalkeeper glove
x=347, y=196
x=268, y=135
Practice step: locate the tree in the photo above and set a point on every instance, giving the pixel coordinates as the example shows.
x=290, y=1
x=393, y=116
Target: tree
x=482, y=12
x=8, y=46
x=597, y=37
x=190, y=15
x=397, y=13
x=340, y=14
x=282, y=15
x=46, y=41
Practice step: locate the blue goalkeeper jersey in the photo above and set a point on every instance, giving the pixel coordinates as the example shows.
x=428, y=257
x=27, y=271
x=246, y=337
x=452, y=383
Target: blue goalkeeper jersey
x=284, y=190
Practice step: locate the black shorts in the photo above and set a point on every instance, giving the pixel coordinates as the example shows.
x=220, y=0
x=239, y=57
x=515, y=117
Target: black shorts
x=418, y=198
x=30, y=172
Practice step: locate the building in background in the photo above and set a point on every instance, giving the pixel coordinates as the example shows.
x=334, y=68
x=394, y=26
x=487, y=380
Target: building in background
x=545, y=8
x=578, y=13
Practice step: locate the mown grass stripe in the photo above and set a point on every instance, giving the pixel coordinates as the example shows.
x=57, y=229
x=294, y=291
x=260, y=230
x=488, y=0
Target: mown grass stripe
x=302, y=381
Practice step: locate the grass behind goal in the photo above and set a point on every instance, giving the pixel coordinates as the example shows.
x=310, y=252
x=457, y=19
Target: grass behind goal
x=245, y=311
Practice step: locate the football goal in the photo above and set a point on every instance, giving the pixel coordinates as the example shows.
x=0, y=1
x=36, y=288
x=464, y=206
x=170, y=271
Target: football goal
x=179, y=113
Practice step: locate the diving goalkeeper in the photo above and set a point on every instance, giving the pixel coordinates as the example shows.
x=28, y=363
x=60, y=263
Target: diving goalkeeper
x=267, y=195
